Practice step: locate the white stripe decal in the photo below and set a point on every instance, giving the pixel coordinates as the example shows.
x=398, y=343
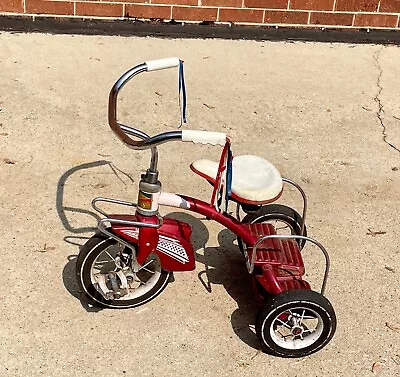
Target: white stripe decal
x=166, y=245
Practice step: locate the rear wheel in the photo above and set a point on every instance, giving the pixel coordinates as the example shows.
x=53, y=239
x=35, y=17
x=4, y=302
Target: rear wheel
x=285, y=220
x=104, y=273
x=296, y=323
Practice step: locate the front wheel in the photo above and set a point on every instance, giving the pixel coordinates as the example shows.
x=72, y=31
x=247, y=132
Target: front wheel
x=104, y=273
x=296, y=323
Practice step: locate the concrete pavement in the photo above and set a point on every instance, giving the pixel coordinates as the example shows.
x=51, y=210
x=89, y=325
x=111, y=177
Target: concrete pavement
x=326, y=115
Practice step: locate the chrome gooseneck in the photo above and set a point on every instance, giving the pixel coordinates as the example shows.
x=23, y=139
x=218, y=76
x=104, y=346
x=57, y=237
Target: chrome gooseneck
x=124, y=132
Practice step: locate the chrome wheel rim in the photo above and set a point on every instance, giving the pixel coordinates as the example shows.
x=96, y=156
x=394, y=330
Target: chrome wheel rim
x=296, y=328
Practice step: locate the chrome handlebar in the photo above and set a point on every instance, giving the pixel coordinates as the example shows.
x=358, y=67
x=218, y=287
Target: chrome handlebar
x=123, y=131
x=145, y=141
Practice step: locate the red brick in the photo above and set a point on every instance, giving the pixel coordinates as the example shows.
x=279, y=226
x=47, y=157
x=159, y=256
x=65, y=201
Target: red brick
x=175, y=2
x=357, y=5
x=99, y=9
x=312, y=4
x=240, y=15
x=282, y=17
x=266, y=4
x=222, y=3
x=390, y=6
x=148, y=11
x=375, y=20
x=194, y=13
x=122, y=1
x=343, y=19
x=16, y=6
x=49, y=7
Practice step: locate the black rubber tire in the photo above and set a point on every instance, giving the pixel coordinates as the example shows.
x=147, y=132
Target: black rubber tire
x=277, y=212
x=278, y=305
x=88, y=254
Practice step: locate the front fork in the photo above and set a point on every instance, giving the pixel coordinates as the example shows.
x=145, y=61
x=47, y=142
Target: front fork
x=127, y=264
x=147, y=219
x=148, y=241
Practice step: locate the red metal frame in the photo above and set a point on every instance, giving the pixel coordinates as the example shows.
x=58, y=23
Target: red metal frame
x=209, y=211
x=147, y=238
x=178, y=233
x=173, y=234
x=171, y=242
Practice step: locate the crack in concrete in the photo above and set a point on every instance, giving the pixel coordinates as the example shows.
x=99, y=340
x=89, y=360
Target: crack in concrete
x=380, y=113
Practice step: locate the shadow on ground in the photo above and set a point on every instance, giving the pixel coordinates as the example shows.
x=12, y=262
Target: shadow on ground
x=225, y=265
x=78, y=240
x=62, y=209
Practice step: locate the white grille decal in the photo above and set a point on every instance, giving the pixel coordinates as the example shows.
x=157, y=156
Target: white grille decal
x=173, y=249
x=167, y=245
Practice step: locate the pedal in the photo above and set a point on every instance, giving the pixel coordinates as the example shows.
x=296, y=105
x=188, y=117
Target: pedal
x=112, y=277
x=103, y=289
x=124, y=288
x=118, y=290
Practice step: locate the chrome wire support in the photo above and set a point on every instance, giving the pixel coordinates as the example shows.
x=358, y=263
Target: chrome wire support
x=250, y=265
x=109, y=220
x=102, y=227
x=108, y=200
x=303, y=194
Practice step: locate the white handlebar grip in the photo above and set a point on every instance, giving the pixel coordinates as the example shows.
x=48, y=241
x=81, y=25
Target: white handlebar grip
x=204, y=137
x=155, y=65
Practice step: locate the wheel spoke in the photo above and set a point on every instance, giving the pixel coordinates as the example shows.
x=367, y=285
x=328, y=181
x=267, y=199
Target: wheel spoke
x=278, y=331
x=284, y=323
x=110, y=256
x=140, y=281
x=149, y=271
x=145, y=265
x=302, y=316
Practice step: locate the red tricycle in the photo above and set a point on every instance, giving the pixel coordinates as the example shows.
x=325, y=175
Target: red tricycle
x=132, y=257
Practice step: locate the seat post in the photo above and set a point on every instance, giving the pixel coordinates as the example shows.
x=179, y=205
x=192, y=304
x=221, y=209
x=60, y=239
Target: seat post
x=220, y=182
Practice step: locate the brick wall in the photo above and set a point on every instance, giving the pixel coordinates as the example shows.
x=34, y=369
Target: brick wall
x=373, y=14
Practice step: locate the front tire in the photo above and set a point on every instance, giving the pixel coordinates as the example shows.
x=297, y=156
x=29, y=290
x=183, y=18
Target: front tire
x=296, y=323
x=101, y=256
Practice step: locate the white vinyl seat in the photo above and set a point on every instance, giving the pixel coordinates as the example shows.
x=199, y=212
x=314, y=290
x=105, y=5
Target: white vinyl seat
x=254, y=179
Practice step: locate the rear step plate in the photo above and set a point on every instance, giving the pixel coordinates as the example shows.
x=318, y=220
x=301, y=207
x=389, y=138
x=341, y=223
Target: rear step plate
x=284, y=253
